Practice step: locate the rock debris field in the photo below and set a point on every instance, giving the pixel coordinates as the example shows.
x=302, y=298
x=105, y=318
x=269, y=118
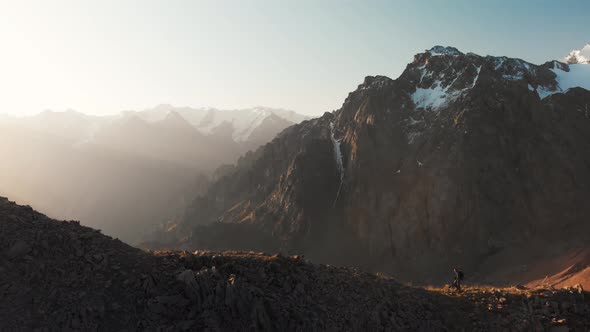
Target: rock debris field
x=61, y=276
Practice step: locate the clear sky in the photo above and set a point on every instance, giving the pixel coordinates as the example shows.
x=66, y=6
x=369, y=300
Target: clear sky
x=105, y=56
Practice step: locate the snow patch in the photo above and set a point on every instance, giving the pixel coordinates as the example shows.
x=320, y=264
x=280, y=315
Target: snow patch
x=516, y=77
x=545, y=91
x=435, y=97
x=243, y=121
x=411, y=121
x=438, y=96
x=478, y=69
x=526, y=66
x=423, y=73
x=578, y=76
x=499, y=62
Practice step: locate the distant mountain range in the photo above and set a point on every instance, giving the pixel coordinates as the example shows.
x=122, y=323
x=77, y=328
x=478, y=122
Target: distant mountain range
x=127, y=172
x=242, y=121
x=182, y=135
x=464, y=160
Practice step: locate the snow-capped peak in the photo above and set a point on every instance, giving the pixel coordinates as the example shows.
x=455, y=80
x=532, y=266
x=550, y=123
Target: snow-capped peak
x=440, y=82
x=442, y=74
x=442, y=50
x=567, y=77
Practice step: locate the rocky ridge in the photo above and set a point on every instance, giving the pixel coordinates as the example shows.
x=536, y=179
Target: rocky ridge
x=58, y=275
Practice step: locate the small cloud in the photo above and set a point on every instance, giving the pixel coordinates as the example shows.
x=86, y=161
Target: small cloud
x=579, y=56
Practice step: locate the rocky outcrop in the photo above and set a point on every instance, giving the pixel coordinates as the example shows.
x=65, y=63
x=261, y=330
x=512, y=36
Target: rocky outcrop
x=460, y=159
x=58, y=275
x=520, y=309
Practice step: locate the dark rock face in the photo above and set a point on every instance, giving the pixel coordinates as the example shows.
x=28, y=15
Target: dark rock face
x=457, y=160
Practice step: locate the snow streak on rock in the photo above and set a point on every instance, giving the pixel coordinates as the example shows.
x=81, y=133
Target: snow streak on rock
x=476, y=77
x=513, y=69
x=433, y=98
x=437, y=95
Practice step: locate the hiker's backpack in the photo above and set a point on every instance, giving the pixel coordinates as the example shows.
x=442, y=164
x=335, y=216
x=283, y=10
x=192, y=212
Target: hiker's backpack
x=461, y=275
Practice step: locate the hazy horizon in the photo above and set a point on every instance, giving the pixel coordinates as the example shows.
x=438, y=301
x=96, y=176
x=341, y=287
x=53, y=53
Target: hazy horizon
x=147, y=109
x=294, y=165
x=104, y=57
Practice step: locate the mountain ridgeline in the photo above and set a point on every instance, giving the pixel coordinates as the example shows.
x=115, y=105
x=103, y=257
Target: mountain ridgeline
x=59, y=275
x=464, y=160
x=129, y=172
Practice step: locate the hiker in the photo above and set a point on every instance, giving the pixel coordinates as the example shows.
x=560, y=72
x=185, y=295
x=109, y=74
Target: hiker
x=458, y=279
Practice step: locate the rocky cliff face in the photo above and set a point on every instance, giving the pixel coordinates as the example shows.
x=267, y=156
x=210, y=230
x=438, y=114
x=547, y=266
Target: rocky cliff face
x=460, y=159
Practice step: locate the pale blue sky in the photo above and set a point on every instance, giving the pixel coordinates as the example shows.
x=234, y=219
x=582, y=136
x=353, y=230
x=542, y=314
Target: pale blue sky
x=104, y=56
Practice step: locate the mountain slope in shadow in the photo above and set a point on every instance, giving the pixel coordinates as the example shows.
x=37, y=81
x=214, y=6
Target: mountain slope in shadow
x=59, y=275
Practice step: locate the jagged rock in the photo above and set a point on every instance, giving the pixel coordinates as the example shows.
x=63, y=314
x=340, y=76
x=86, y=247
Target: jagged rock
x=578, y=288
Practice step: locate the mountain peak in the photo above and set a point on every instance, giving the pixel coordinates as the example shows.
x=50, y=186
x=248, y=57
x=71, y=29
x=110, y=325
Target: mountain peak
x=64, y=113
x=444, y=50
x=174, y=116
x=164, y=107
x=442, y=75
x=174, y=120
x=448, y=124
